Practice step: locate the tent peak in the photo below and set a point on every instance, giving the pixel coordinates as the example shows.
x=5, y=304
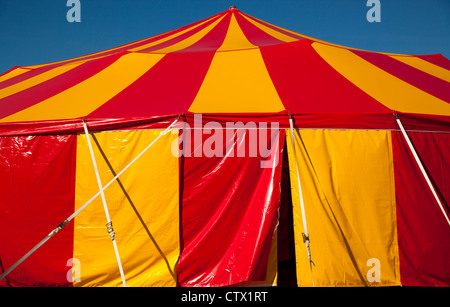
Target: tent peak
x=232, y=8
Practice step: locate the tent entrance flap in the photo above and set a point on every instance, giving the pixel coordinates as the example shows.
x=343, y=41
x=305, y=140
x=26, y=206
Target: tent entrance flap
x=286, y=239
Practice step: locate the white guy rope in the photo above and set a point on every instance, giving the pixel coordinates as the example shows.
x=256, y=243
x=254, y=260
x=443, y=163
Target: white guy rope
x=105, y=206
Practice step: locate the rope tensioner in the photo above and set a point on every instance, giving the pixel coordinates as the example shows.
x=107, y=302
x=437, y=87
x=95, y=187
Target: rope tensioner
x=61, y=226
x=305, y=237
x=110, y=229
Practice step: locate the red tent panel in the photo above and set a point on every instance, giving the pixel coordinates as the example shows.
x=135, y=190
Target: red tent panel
x=423, y=234
x=37, y=184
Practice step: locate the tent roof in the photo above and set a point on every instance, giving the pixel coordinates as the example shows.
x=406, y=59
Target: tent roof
x=230, y=63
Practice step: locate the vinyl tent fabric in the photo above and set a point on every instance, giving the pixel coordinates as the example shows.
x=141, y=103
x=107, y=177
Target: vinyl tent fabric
x=143, y=205
x=422, y=230
x=348, y=179
x=229, y=214
x=210, y=219
x=230, y=63
x=37, y=192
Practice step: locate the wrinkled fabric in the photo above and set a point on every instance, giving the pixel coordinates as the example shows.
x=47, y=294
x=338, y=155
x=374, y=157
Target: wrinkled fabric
x=143, y=206
x=37, y=192
x=229, y=213
x=423, y=232
x=347, y=180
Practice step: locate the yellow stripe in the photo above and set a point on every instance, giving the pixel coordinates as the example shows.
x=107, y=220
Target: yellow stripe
x=425, y=66
x=293, y=32
x=278, y=35
x=101, y=53
x=130, y=45
x=77, y=60
x=237, y=82
x=72, y=62
x=190, y=40
x=147, y=235
x=167, y=38
x=85, y=97
x=348, y=186
x=15, y=88
x=235, y=38
x=319, y=40
x=382, y=86
x=16, y=72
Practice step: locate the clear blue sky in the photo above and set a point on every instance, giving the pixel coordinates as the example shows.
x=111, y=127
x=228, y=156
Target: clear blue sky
x=37, y=31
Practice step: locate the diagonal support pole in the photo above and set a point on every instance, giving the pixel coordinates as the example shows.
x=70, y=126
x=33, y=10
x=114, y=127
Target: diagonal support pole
x=109, y=225
x=422, y=169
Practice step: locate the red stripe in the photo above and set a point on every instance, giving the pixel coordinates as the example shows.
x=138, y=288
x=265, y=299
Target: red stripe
x=37, y=187
x=213, y=40
x=437, y=59
x=142, y=43
x=9, y=70
x=426, y=82
x=180, y=37
x=33, y=95
x=423, y=234
x=273, y=27
x=308, y=84
x=26, y=75
x=40, y=70
x=164, y=35
x=255, y=35
x=169, y=87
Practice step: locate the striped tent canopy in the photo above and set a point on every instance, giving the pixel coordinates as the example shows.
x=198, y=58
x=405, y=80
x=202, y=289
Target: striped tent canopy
x=358, y=163
x=230, y=63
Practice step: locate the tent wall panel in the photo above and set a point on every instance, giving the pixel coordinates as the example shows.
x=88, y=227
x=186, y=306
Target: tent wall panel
x=423, y=234
x=347, y=180
x=37, y=188
x=143, y=206
x=229, y=214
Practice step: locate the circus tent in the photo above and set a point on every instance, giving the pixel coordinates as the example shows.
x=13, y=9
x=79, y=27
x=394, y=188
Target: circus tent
x=356, y=146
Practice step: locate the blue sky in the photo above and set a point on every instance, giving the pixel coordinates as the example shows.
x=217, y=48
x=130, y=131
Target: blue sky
x=37, y=31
